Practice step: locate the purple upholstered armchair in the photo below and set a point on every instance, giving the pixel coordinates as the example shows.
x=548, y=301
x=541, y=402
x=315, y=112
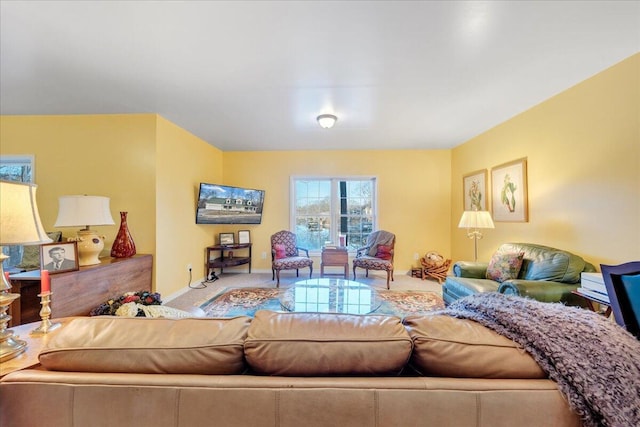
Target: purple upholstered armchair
x=377, y=254
x=285, y=255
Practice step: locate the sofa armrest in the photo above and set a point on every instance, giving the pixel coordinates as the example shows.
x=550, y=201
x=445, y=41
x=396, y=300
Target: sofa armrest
x=470, y=269
x=541, y=290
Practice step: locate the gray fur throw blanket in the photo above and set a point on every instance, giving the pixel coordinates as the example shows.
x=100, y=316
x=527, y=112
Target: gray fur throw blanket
x=595, y=362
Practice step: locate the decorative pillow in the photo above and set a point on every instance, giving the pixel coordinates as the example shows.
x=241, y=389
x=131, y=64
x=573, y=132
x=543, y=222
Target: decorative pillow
x=280, y=251
x=31, y=254
x=504, y=267
x=384, y=252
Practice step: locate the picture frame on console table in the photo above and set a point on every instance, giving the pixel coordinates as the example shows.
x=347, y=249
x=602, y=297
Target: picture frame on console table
x=59, y=257
x=244, y=236
x=227, y=239
x=474, y=190
x=509, y=199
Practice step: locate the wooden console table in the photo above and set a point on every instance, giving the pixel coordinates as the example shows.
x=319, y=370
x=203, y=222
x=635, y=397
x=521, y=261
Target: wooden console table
x=229, y=260
x=75, y=293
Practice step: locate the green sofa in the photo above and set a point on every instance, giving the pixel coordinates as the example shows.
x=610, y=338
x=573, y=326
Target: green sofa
x=546, y=274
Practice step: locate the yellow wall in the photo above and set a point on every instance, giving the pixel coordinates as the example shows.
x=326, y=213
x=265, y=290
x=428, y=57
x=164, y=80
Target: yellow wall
x=149, y=168
x=413, y=193
x=99, y=155
x=183, y=161
x=582, y=146
x=583, y=150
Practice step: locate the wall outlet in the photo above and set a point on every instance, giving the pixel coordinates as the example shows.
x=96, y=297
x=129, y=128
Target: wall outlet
x=264, y=255
x=416, y=256
x=188, y=267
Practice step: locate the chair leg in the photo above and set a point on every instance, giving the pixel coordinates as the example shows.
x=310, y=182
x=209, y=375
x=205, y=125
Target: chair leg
x=354, y=272
x=273, y=274
x=310, y=271
x=366, y=272
x=297, y=273
x=388, y=275
x=278, y=276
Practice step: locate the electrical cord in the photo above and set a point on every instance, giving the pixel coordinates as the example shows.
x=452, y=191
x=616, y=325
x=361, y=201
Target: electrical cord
x=200, y=286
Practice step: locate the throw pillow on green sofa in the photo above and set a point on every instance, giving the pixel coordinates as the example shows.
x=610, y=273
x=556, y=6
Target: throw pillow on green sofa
x=504, y=267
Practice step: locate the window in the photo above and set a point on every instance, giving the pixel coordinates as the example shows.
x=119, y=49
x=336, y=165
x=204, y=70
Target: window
x=20, y=169
x=339, y=211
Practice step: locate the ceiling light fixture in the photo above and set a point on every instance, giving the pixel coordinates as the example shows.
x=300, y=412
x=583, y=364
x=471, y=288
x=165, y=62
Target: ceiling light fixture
x=327, y=121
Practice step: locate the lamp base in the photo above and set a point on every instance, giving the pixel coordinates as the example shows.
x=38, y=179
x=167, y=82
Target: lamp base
x=9, y=346
x=89, y=247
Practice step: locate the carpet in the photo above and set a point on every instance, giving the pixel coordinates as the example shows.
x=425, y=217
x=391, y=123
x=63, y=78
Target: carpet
x=232, y=302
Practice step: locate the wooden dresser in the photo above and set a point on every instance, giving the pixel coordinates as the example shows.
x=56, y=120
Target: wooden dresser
x=75, y=293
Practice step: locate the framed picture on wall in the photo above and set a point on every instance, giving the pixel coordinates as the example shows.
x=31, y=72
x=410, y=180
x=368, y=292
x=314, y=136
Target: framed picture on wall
x=509, y=192
x=244, y=237
x=474, y=194
x=59, y=257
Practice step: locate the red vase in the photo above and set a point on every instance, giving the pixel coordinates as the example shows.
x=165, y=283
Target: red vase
x=123, y=245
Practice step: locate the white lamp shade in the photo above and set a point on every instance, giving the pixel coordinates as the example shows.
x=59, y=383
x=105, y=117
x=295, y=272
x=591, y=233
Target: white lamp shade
x=74, y=211
x=476, y=219
x=327, y=121
x=19, y=217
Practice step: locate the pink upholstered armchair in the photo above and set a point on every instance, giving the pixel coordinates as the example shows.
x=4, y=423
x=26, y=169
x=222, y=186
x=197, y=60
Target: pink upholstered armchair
x=285, y=255
x=377, y=254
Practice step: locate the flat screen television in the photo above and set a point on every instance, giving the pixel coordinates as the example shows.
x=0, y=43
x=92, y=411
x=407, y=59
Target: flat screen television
x=223, y=204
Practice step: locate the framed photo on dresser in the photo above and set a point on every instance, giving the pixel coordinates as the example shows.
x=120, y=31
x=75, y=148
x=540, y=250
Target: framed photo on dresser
x=59, y=257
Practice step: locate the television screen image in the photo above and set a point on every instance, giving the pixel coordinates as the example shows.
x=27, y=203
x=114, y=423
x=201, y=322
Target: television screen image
x=223, y=204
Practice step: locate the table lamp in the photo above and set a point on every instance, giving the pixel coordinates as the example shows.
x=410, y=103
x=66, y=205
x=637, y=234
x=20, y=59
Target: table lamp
x=473, y=221
x=77, y=211
x=19, y=225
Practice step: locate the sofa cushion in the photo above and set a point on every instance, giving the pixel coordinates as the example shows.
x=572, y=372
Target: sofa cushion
x=504, y=266
x=148, y=345
x=449, y=347
x=316, y=344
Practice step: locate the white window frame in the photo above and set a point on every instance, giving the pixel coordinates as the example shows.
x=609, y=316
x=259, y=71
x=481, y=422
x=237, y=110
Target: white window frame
x=335, y=202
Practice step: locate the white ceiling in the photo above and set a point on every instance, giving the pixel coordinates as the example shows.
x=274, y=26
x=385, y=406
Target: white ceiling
x=254, y=75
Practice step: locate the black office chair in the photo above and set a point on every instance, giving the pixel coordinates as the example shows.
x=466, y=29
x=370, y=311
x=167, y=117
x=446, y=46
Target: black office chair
x=623, y=286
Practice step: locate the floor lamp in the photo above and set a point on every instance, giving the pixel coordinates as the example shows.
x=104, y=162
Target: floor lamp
x=19, y=225
x=473, y=221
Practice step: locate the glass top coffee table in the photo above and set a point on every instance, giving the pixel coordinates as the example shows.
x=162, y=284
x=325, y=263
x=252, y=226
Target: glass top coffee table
x=330, y=295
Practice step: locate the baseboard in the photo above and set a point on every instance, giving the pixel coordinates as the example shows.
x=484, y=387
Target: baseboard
x=182, y=291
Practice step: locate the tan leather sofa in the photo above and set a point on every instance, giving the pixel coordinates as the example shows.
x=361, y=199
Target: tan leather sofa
x=282, y=369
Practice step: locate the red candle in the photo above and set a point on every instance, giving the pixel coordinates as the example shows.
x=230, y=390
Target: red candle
x=6, y=274
x=45, y=282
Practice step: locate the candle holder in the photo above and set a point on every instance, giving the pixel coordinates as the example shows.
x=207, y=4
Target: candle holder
x=45, y=312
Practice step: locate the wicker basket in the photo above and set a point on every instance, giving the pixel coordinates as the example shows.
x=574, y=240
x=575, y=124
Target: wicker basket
x=435, y=266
